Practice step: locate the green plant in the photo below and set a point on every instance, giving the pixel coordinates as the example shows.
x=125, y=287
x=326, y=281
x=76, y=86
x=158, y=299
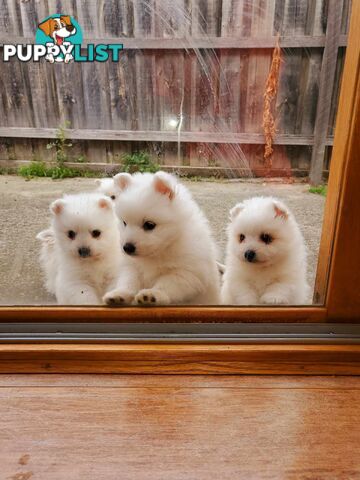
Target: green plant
x=319, y=190
x=197, y=178
x=34, y=169
x=61, y=144
x=40, y=169
x=139, y=162
x=213, y=163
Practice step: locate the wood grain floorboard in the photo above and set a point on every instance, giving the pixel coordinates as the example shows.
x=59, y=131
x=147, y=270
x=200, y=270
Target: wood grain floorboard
x=122, y=427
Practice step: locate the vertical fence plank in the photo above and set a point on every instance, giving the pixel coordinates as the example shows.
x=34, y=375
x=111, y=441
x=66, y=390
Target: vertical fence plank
x=206, y=18
x=144, y=18
x=67, y=7
x=147, y=99
x=289, y=91
x=204, y=23
x=262, y=18
x=96, y=152
x=345, y=20
x=16, y=96
x=320, y=14
x=257, y=68
x=10, y=17
x=29, y=18
x=228, y=118
x=96, y=95
x=145, y=68
x=232, y=17
x=122, y=83
x=171, y=95
x=172, y=19
x=42, y=10
x=309, y=91
x=115, y=18
x=43, y=90
x=169, y=81
x=336, y=90
x=327, y=79
x=70, y=95
x=88, y=16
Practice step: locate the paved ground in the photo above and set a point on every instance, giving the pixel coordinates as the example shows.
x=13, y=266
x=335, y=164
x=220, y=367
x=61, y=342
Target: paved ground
x=24, y=212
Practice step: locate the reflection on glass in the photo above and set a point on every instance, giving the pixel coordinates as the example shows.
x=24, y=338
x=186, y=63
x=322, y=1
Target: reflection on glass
x=236, y=104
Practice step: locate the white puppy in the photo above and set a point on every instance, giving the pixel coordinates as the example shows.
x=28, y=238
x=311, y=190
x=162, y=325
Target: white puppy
x=171, y=256
x=266, y=255
x=106, y=186
x=82, y=256
x=103, y=185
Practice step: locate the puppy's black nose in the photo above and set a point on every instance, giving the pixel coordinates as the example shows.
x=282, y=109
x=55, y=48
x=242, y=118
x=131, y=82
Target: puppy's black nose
x=129, y=248
x=84, y=252
x=250, y=255
x=69, y=28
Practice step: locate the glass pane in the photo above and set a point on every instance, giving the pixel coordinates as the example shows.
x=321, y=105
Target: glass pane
x=234, y=100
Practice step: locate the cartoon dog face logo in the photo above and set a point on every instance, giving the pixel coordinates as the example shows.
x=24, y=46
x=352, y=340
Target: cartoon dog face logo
x=58, y=28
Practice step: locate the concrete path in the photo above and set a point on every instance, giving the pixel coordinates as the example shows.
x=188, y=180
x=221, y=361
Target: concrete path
x=24, y=212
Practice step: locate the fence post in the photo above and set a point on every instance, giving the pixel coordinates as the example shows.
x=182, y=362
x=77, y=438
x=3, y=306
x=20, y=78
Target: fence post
x=327, y=80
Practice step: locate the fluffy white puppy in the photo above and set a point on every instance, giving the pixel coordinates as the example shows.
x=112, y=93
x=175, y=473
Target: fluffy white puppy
x=170, y=255
x=81, y=257
x=103, y=185
x=266, y=255
x=106, y=186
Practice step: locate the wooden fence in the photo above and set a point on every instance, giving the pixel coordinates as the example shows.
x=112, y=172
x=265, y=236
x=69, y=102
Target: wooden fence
x=204, y=62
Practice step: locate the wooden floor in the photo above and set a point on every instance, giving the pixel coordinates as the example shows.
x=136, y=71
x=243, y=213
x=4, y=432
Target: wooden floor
x=107, y=427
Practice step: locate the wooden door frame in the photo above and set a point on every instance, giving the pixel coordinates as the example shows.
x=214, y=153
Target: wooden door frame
x=337, y=287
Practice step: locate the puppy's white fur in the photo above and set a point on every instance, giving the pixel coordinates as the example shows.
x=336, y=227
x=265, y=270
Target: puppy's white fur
x=73, y=279
x=107, y=187
x=175, y=262
x=104, y=186
x=277, y=273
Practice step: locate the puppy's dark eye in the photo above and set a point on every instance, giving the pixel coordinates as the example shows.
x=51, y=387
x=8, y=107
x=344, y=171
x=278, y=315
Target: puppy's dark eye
x=124, y=223
x=71, y=234
x=95, y=233
x=56, y=27
x=266, y=238
x=241, y=237
x=149, y=226
x=112, y=197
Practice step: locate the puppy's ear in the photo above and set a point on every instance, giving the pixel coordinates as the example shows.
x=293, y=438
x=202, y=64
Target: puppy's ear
x=46, y=236
x=105, y=203
x=122, y=180
x=280, y=211
x=234, y=212
x=97, y=182
x=66, y=19
x=163, y=184
x=46, y=26
x=57, y=207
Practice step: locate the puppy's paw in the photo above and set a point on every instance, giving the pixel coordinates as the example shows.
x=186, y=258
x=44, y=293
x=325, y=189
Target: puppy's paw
x=117, y=298
x=274, y=299
x=151, y=296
